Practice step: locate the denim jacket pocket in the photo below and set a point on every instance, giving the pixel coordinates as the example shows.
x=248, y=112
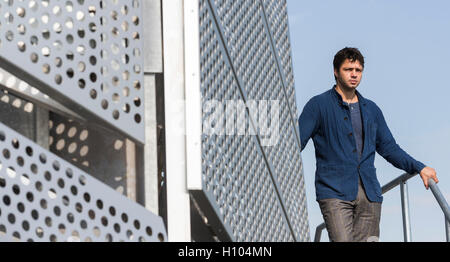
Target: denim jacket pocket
x=332, y=177
x=372, y=133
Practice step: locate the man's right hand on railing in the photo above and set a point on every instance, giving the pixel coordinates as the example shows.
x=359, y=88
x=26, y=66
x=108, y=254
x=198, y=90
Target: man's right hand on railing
x=428, y=173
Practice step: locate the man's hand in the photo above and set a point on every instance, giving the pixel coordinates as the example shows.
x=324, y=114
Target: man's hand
x=428, y=173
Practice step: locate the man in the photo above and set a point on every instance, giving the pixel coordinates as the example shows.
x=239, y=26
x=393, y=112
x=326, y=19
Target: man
x=347, y=129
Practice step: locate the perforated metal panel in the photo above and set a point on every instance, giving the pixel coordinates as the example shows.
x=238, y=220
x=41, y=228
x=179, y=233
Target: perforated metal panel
x=84, y=54
x=14, y=85
x=18, y=113
x=256, y=190
x=44, y=198
x=101, y=153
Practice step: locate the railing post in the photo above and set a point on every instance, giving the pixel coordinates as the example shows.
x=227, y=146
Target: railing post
x=443, y=204
x=405, y=211
x=319, y=230
x=447, y=229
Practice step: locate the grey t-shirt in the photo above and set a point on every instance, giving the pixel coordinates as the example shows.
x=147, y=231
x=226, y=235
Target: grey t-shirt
x=355, y=113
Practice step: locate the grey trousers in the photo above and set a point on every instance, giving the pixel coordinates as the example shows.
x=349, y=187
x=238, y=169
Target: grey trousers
x=352, y=221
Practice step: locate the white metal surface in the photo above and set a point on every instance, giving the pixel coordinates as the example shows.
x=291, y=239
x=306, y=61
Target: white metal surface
x=193, y=95
x=178, y=207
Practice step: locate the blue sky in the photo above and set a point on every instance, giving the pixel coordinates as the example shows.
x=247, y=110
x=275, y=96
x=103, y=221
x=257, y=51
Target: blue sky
x=406, y=45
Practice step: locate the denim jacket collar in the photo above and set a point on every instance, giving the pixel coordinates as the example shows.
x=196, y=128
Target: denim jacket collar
x=338, y=96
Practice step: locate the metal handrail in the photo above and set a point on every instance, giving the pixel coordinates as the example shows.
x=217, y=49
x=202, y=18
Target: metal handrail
x=401, y=180
x=443, y=204
x=319, y=232
x=396, y=182
x=439, y=198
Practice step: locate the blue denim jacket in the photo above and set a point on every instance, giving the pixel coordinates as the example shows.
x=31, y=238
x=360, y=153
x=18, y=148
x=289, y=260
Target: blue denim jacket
x=326, y=119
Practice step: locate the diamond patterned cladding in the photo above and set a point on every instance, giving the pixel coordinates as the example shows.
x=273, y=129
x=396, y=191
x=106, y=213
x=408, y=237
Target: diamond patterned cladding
x=86, y=54
x=247, y=204
x=277, y=19
x=249, y=46
x=44, y=198
x=276, y=12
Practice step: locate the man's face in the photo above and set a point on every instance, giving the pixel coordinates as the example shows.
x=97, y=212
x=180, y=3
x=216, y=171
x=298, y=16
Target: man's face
x=350, y=74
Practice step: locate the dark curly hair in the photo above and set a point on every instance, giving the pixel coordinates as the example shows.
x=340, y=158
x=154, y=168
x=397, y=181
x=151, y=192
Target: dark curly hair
x=351, y=53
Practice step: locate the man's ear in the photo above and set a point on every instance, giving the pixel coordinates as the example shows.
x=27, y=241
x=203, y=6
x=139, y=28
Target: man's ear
x=336, y=73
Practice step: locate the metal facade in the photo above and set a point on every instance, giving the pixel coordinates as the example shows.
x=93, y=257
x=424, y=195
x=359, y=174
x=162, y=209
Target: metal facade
x=256, y=191
x=71, y=99
x=85, y=54
x=44, y=198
